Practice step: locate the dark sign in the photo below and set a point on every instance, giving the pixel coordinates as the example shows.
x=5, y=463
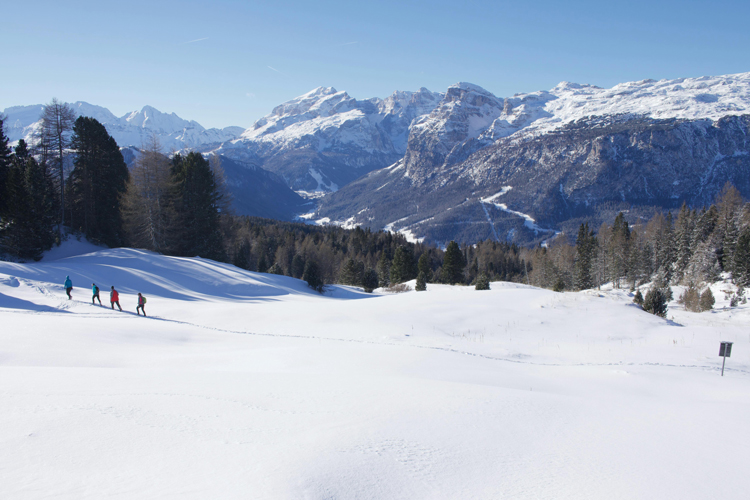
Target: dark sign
x=725, y=349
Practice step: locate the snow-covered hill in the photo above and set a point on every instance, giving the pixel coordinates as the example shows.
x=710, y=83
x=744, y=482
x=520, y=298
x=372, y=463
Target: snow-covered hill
x=132, y=129
x=244, y=384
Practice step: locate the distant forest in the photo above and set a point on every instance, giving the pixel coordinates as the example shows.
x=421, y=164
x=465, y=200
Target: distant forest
x=73, y=179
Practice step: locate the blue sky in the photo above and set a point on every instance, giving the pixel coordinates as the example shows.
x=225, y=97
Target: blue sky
x=230, y=62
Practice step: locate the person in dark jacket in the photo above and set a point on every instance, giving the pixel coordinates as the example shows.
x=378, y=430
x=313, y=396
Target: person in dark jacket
x=95, y=291
x=68, y=286
x=141, y=305
x=114, y=298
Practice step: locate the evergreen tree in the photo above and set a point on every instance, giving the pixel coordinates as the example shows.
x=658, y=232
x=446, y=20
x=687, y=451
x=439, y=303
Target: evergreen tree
x=298, y=266
x=483, y=282
x=384, y=270
x=638, y=298
x=4, y=166
x=585, y=257
x=655, y=302
x=423, y=266
x=741, y=265
x=707, y=300
x=453, y=264
x=28, y=225
x=421, y=284
x=352, y=272
x=312, y=276
x=370, y=280
x=402, y=267
x=196, y=201
x=619, y=250
x=97, y=182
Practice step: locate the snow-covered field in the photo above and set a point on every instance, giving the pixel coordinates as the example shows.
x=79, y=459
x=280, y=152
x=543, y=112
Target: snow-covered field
x=246, y=385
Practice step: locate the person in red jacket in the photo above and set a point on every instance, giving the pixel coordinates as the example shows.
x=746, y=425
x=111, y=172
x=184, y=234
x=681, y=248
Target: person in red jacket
x=141, y=305
x=114, y=298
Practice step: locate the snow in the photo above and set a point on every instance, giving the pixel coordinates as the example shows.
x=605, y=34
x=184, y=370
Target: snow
x=241, y=384
x=707, y=97
x=132, y=129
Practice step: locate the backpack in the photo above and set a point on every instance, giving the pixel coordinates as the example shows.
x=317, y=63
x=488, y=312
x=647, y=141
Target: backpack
x=144, y=300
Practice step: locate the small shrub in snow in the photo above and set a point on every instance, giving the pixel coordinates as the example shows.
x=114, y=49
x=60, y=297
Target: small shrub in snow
x=398, y=288
x=483, y=282
x=655, y=302
x=707, y=300
x=638, y=298
x=690, y=298
x=559, y=285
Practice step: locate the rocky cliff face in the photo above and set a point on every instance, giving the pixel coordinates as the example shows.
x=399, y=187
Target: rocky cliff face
x=325, y=139
x=524, y=167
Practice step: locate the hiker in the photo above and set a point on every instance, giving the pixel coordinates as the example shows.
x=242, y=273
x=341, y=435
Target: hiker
x=68, y=286
x=114, y=298
x=95, y=291
x=141, y=304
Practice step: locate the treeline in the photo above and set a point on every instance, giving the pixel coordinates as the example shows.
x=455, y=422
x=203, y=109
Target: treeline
x=692, y=248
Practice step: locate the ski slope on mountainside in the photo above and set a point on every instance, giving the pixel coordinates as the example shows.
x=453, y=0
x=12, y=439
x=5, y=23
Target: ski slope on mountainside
x=248, y=385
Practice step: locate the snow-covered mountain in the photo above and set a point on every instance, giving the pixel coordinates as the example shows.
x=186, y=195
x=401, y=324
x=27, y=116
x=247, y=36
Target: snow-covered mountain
x=325, y=139
x=132, y=129
x=556, y=156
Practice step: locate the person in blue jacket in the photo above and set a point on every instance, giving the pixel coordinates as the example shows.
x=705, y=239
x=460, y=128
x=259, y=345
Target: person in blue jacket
x=95, y=291
x=68, y=286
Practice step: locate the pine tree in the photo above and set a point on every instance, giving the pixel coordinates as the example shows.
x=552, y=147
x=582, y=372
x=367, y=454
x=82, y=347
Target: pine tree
x=97, y=183
x=453, y=264
x=370, y=280
x=741, y=264
x=352, y=272
x=483, y=282
x=423, y=266
x=655, y=302
x=707, y=300
x=312, y=276
x=585, y=257
x=28, y=224
x=4, y=166
x=298, y=266
x=196, y=200
x=384, y=270
x=421, y=284
x=402, y=267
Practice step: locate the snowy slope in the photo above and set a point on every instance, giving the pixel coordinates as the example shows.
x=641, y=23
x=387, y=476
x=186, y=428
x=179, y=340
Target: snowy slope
x=707, y=97
x=133, y=129
x=249, y=385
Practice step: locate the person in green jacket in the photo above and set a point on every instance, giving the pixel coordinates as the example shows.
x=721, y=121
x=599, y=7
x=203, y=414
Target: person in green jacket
x=95, y=291
x=68, y=286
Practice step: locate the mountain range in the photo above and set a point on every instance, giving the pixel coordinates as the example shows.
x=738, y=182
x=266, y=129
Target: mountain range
x=468, y=165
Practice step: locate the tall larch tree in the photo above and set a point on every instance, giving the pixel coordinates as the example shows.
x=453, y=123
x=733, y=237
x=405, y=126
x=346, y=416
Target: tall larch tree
x=53, y=140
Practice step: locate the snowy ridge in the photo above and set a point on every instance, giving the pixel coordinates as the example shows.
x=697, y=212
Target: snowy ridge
x=325, y=118
x=132, y=129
